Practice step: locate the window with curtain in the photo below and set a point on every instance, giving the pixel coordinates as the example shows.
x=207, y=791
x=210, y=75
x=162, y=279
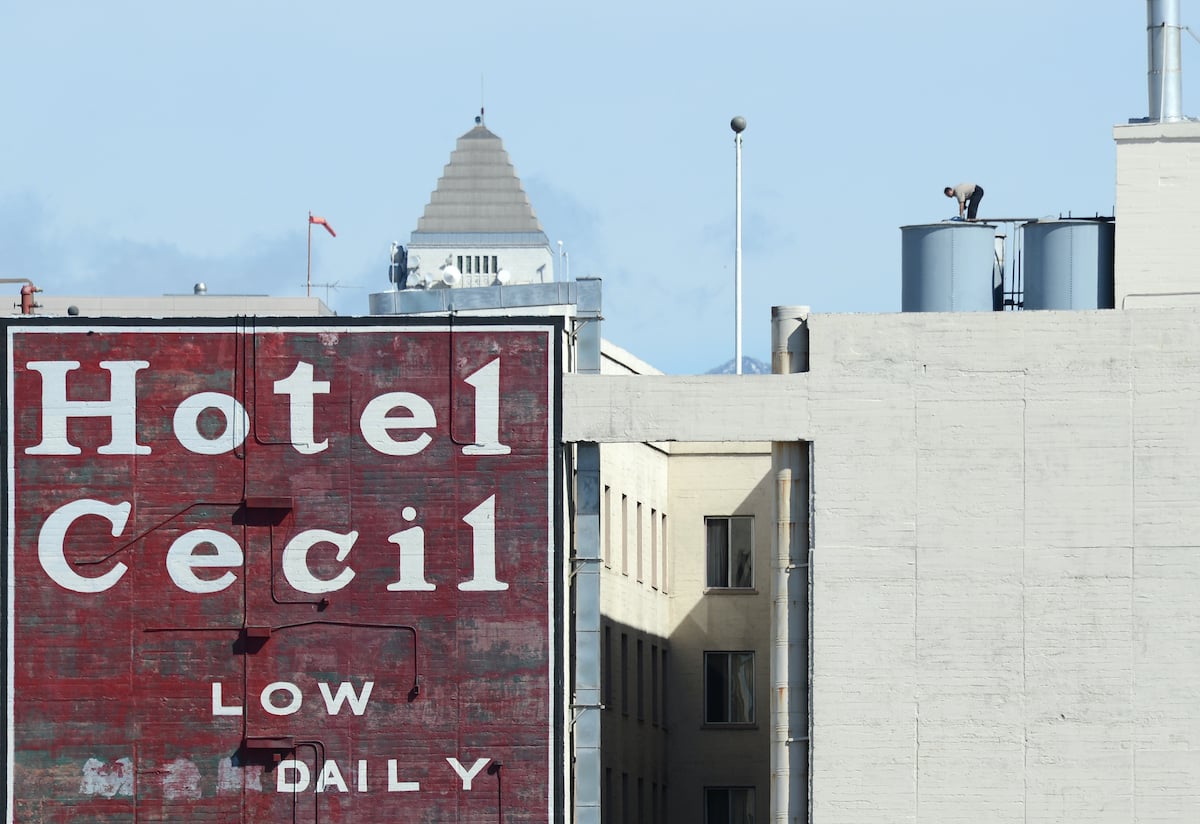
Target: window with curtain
x=730, y=551
x=729, y=687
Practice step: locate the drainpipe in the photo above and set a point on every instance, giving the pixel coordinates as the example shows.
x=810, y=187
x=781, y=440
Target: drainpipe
x=790, y=592
x=585, y=707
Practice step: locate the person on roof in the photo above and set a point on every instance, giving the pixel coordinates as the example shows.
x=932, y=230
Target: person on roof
x=968, y=196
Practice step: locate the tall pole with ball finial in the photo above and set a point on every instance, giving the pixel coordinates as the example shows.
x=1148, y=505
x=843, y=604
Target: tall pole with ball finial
x=738, y=124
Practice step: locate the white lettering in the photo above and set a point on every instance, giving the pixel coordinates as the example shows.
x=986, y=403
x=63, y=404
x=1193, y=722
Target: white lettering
x=120, y=409
x=295, y=560
x=482, y=520
x=395, y=785
x=281, y=686
x=487, y=412
x=362, y=776
x=52, y=555
x=412, y=557
x=181, y=560
x=468, y=776
x=187, y=420
x=331, y=776
x=300, y=389
x=345, y=694
x=376, y=423
x=219, y=708
x=284, y=784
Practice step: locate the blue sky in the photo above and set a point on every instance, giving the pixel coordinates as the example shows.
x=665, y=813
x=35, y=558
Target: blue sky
x=149, y=145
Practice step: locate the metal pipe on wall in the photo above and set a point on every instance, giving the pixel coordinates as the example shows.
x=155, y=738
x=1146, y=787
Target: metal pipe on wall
x=584, y=708
x=1164, y=59
x=790, y=592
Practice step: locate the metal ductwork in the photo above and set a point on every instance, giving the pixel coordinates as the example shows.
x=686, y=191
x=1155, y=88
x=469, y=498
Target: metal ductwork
x=1165, y=73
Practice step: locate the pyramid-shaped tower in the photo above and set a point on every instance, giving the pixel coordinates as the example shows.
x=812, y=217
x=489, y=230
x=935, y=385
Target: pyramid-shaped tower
x=479, y=222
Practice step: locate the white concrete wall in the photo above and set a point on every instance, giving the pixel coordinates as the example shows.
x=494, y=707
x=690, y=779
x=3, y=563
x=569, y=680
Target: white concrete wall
x=525, y=264
x=1006, y=605
x=1158, y=224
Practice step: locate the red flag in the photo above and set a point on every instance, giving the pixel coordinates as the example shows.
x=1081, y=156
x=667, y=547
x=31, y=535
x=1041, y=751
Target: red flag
x=320, y=221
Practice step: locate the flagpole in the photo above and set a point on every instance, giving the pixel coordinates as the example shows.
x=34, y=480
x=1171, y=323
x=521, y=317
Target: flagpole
x=308, y=275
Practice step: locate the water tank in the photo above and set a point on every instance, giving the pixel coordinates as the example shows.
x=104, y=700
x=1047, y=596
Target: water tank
x=948, y=267
x=1068, y=264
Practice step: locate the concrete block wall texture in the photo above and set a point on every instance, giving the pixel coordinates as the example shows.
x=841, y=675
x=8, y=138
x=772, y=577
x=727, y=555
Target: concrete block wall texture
x=1158, y=231
x=1005, y=643
x=1007, y=546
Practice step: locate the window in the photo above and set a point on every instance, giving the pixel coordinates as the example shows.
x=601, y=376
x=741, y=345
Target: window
x=641, y=683
x=654, y=684
x=638, y=541
x=664, y=688
x=607, y=811
x=728, y=805
x=626, y=813
x=608, y=526
x=664, y=552
x=625, y=673
x=653, y=548
x=729, y=687
x=606, y=666
x=624, y=534
x=730, y=552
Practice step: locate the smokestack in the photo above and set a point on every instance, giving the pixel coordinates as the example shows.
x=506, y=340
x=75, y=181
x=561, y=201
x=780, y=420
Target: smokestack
x=1165, y=75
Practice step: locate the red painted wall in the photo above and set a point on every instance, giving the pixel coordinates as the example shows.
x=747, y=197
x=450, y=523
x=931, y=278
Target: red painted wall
x=348, y=614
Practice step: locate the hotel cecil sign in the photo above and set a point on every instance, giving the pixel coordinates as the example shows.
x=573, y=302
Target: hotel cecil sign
x=284, y=572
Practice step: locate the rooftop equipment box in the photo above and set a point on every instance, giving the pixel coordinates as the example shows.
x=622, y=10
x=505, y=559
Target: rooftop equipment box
x=283, y=571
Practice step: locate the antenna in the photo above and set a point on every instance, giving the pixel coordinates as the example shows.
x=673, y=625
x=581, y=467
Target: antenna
x=481, y=99
x=336, y=285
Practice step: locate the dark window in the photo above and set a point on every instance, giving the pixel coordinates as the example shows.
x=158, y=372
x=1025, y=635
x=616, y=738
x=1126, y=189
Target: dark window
x=654, y=684
x=626, y=801
x=625, y=673
x=728, y=805
x=641, y=683
x=729, y=687
x=606, y=664
x=664, y=688
x=730, y=552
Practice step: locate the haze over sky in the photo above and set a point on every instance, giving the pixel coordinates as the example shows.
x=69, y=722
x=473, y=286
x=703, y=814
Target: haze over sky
x=151, y=145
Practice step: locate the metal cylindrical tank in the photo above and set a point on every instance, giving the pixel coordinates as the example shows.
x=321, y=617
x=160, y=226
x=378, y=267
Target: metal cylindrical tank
x=1068, y=264
x=947, y=267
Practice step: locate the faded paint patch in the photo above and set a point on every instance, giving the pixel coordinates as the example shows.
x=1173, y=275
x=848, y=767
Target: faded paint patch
x=328, y=338
x=181, y=781
x=107, y=778
x=232, y=779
